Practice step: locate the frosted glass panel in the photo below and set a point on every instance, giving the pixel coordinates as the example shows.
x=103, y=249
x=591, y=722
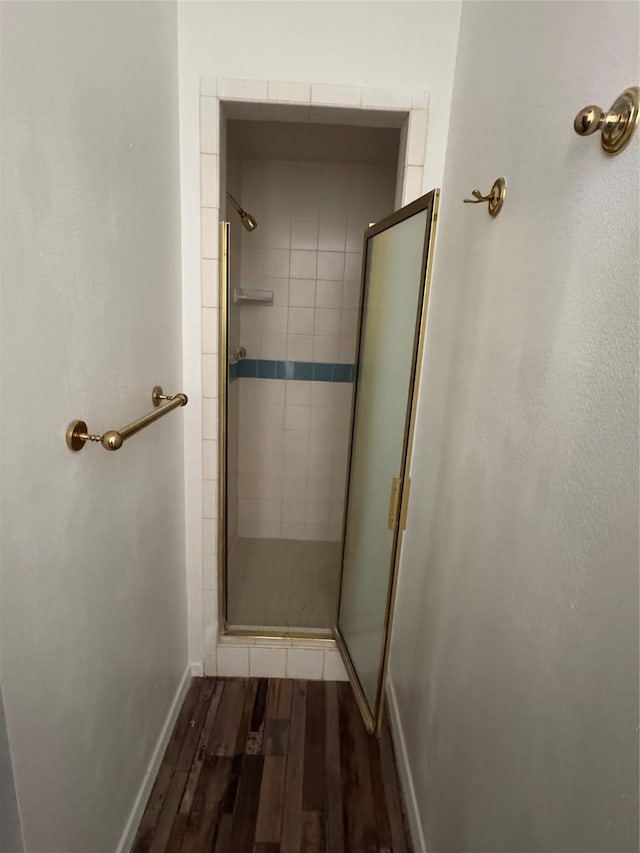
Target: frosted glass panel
x=393, y=297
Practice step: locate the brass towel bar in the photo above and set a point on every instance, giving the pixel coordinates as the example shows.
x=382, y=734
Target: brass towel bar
x=113, y=439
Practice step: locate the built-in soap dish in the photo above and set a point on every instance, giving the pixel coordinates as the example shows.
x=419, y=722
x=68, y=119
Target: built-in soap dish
x=252, y=297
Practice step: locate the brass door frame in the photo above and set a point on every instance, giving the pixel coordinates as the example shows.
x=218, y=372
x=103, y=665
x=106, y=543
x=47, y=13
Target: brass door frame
x=223, y=363
x=373, y=718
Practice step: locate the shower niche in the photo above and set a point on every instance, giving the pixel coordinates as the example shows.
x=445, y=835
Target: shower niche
x=299, y=196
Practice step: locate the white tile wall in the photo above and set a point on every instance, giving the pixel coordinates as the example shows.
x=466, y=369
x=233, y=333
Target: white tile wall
x=233, y=660
x=209, y=573
x=390, y=98
x=333, y=667
x=265, y=662
x=302, y=212
x=209, y=418
x=296, y=93
x=209, y=192
x=417, y=138
x=236, y=89
x=209, y=271
x=210, y=226
x=307, y=250
x=209, y=127
x=340, y=96
x=266, y=658
x=209, y=331
x=412, y=182
x=305, y=663
x=208, y=499
x=294, y=438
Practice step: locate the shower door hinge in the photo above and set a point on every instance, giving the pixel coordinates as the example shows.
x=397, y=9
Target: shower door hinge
x=398, y=503
x=394, y=502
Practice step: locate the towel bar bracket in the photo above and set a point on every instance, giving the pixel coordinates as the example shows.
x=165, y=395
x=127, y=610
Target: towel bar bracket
x=77, y=435
x=157, y=396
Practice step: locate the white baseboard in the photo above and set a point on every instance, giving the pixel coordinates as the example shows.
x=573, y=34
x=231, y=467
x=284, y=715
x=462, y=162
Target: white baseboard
x=406, y=782
x=135, y=816
x=197, y=670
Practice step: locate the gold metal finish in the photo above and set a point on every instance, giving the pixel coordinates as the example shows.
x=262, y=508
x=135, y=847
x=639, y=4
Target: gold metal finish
x=495, y=198
x=404, y=509
x=113, y=439
x=282, y=638
x=157, y=396
x=225, y=236
x=77, y=435
x=394, y=502
x=617, y=125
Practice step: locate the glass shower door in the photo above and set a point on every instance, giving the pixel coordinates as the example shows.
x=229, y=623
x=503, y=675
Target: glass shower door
x=396, y=264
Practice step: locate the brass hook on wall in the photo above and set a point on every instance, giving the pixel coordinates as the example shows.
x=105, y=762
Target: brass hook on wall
x=617, y=125
x=495, y=198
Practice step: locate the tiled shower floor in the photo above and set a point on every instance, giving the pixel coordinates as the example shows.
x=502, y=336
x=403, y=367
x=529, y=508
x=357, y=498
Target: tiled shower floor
x=283, y=584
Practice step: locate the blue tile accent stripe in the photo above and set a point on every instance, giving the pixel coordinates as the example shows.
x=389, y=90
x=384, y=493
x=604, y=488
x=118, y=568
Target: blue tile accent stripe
x=264, y=368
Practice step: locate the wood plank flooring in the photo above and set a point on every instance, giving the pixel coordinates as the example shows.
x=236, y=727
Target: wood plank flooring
x=273, y=766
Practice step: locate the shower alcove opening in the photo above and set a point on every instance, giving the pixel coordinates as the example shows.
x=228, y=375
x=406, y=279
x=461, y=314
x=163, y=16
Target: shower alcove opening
x=298, y=187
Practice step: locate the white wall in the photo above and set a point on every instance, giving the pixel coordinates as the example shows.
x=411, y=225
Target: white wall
x=93, y=613
x=515, y=655
x=401, y=47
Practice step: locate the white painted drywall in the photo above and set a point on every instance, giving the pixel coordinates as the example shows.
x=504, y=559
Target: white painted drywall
x=515, y=649
x=93, y=609
x=399, y=46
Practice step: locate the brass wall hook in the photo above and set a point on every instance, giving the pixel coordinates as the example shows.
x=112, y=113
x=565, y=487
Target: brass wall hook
x=495, y=198
x=617, y=125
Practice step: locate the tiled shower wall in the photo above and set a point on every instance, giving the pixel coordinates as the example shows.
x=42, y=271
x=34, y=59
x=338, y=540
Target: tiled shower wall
x=294, y=442
x=307, y=250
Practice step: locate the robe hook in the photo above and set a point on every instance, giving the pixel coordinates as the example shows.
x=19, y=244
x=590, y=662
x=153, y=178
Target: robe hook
x=617, y=125
x=495, y=198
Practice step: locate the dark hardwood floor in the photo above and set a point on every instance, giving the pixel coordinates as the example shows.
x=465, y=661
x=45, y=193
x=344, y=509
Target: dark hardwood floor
x=273, y=766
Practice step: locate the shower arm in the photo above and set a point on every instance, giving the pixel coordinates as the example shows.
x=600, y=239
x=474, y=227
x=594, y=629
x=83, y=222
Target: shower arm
x=247, y=220
x=240, y=211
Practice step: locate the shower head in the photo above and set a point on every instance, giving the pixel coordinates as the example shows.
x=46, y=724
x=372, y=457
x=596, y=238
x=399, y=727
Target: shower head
x=246, y=218
x=248, y=221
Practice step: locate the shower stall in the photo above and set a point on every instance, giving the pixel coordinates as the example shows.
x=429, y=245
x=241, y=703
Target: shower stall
x=292, y=319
